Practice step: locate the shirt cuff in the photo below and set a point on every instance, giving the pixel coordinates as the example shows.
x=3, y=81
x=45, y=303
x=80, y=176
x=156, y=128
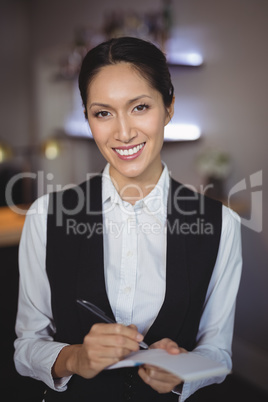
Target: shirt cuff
x=185, y=392
x=178, y=389
x=60, y=384
x=43, y=372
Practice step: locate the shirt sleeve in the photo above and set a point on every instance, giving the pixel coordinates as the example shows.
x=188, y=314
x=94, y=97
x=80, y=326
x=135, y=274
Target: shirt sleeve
x=214, y=338
x=35, y=350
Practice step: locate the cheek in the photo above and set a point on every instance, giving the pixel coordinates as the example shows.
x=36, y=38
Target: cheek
x=99, y=132
x=153, y=125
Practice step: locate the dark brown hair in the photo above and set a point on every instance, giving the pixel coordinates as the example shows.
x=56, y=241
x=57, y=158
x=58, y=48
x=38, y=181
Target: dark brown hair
x=146, y=58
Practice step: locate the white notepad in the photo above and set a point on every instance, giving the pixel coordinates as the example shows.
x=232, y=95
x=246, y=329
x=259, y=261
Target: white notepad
x=188, y=366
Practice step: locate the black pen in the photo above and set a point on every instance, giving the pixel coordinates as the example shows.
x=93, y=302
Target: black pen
x=98, y=312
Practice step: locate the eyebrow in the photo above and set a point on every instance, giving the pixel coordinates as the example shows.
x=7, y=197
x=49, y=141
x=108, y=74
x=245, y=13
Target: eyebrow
x=129, y=102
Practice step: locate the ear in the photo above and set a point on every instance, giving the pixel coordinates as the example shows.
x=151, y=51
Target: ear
x=170, y=111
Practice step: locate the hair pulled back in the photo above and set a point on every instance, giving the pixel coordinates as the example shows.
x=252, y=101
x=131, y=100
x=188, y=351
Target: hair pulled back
x=146, y=58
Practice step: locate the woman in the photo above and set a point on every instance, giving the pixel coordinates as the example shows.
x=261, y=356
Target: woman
x=126, y=240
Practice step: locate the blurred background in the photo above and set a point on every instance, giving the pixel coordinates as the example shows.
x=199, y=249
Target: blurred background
x=217, y=51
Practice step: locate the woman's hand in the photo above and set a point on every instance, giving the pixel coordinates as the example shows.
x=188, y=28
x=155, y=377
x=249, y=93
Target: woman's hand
x=105, y=344
x=160, y=380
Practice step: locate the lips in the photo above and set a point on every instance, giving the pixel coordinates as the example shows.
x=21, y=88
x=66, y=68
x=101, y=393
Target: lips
x=129, y=152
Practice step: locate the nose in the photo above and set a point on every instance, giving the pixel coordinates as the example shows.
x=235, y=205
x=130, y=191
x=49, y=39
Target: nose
x=124, y=132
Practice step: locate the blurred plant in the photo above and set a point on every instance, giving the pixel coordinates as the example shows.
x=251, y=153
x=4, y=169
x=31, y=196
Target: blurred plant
x=214, y=163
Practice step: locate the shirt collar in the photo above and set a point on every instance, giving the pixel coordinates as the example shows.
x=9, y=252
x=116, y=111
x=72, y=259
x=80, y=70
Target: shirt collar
x=155, y=202
x=108, y=189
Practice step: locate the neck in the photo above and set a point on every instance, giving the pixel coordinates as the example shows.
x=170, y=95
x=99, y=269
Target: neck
x=132, y=189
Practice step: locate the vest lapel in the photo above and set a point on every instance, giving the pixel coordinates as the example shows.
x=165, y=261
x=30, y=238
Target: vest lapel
x=91, y=280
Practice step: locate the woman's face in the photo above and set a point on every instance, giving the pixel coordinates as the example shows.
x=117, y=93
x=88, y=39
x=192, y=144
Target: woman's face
x=127, y=119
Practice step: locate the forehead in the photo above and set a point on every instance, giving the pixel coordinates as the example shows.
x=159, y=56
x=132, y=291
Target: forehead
x=119, y=80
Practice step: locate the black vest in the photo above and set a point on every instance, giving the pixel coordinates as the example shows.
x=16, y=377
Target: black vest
x=75, y=269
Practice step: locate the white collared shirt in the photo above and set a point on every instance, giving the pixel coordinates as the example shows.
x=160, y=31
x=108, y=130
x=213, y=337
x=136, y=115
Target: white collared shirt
x=135, y=280
x=132, y=273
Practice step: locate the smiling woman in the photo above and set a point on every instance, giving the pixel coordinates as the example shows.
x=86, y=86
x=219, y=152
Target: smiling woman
x=130, y=242
x=127, y=118
x=128, y=102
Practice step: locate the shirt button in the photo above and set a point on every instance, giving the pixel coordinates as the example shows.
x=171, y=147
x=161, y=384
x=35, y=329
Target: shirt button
x=127, y=290
x=129, y=253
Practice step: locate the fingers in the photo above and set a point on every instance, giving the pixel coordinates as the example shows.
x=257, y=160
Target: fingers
x=106, y=344
x=132, y=326
x=116, y=335
x=111, y=341
x=111, y=345
x=168, y=345
x=159, y=374
x=160, y=380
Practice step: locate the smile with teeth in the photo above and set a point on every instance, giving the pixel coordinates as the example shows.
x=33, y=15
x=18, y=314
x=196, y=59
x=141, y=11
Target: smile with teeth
x=130, y=151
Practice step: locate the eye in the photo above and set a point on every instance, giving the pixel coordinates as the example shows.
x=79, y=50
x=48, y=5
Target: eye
x=102, y=113
x=141, y=108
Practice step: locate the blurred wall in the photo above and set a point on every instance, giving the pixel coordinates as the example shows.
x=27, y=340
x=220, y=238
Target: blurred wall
x=227, y=98
x=15, y=77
